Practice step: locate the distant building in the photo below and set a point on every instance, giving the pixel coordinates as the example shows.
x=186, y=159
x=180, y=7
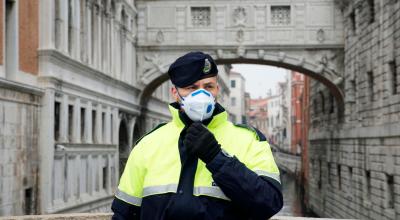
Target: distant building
x=224, y=87
x=237, y=105
x=297, y=90
x=258, y=114
x=273, y=118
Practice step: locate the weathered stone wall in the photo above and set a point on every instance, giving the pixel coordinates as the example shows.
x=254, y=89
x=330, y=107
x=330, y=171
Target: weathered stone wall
x=355, y=158
x=19, y=112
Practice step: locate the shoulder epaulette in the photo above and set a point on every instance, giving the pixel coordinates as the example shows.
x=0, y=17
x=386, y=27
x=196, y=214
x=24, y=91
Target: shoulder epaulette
x=157, y=127
x=260, y=135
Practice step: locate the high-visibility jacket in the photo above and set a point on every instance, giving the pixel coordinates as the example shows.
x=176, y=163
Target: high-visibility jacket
x=161, y=182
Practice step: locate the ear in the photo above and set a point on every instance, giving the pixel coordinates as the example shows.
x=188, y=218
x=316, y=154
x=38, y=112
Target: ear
x=174, y=93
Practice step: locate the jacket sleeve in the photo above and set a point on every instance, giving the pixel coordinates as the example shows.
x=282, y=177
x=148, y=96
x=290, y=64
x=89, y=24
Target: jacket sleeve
x=253, y=185
x=128, y=196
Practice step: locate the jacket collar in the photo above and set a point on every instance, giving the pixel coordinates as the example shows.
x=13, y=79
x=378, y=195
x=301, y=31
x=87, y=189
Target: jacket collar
x=182, y=120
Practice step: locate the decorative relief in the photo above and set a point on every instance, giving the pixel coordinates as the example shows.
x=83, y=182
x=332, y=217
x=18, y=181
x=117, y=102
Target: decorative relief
x=201, y=16
x=160, y=37
x=321, y=35
x=155, y=61
x=280, y=15
x=239, y=16
x=240, y=36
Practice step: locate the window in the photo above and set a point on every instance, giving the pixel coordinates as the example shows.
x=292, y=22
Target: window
x=93, y=123
x=371, y=6
x=70, y=121
x=201, y=16
x=280, y=15
x=83, y=113
x=233, y=83
x=370, y=76
x=367, y=182
x=105, y=177
x=394, y=78
x=352, y=18
x=29, y=201
x=332, y=103
x=233, y=101
x=390, y=191
x=56, y=120
x=339, y=174
x=103, y=124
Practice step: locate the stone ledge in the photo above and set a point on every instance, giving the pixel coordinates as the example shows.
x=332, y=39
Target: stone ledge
x=107, y=216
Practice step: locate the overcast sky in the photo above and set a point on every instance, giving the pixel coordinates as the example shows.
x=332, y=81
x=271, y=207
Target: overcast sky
x=260, y=78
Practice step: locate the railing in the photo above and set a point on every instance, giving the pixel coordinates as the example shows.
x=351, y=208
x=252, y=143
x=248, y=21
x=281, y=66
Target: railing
x=107, y=216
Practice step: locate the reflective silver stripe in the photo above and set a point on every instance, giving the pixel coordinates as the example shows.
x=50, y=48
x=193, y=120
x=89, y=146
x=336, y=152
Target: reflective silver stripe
x=274, y=176
x=152, y=190
x=210, y=191
x=127, y=198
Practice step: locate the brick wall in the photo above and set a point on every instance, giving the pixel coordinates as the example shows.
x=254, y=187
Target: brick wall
x=355, y=161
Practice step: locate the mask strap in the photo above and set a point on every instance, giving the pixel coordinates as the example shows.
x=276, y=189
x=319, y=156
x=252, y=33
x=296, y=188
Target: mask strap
x=177, y=91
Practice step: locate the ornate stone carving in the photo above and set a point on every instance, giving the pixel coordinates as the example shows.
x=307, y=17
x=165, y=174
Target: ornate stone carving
x=239, y=16
x=156, y=62
x=321, y=35
x=240, y=36
x=160, y=37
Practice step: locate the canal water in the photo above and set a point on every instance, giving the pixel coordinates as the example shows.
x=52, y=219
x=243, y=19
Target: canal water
x=293, y=205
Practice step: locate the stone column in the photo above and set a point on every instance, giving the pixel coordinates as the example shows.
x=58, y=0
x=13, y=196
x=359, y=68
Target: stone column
x=115, y=123
x=46, y=24
x=63, y=138
x=98, y=37
x=63, y=4
x=89, y=32
x=88, y=136
x=99, y=123
x=108, y=126
x=76, y=123
x=46, y=150
x=76, y=29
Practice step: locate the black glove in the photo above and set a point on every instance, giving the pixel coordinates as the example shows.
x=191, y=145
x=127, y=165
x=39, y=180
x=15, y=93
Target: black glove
x=201, y=143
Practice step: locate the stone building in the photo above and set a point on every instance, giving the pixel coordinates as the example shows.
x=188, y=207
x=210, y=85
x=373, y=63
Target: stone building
x=258, y=114
x=237, y=105
x=296, y=117
x=68, y=103
x=354, y=155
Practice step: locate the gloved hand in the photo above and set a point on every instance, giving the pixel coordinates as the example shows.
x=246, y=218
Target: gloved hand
x=201, y=143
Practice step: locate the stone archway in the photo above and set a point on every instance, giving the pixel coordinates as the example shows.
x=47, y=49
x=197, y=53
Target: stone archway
x=325, y=66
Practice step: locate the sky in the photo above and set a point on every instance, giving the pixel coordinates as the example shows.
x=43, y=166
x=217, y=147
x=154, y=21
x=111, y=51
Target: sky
x=260, y=78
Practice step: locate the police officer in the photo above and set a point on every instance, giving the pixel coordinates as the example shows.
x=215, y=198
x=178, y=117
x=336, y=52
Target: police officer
x=199, y=165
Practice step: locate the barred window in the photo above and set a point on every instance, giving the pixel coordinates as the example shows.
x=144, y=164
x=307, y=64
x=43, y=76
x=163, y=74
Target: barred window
x=201, y=16
x=280, y=15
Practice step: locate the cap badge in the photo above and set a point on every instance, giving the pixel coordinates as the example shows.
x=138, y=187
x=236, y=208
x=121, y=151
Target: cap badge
x=207, y=66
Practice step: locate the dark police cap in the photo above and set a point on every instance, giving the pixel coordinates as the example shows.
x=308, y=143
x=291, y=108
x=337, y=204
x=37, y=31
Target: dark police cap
x=192, y=67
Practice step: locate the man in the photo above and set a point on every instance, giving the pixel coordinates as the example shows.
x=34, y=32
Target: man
x=199, y=165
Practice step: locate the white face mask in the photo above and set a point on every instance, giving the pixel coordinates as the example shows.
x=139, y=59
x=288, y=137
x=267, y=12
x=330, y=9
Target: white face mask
x=198, y=105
